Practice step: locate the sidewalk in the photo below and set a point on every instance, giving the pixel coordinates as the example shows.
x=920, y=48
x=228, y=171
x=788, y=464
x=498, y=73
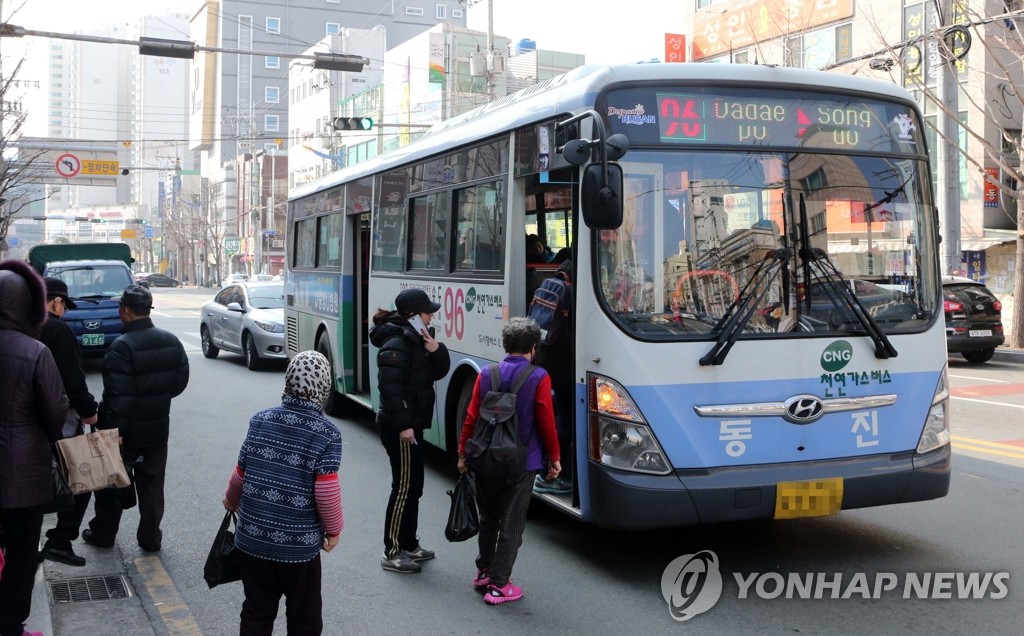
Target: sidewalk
x=40, y=620
x=102, y=616
x=1006, y=354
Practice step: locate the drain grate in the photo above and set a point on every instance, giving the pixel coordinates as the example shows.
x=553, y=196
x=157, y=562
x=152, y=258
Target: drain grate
x=90, y=588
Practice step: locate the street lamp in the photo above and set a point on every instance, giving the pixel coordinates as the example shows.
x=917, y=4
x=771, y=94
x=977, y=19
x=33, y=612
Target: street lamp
x=185, y=49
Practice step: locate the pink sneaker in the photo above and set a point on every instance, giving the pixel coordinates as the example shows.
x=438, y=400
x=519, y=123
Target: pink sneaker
x=28, y=633
x=510, y=592
x=482, y=580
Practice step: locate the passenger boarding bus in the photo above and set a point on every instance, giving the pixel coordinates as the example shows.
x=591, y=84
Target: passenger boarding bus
x=757, y=323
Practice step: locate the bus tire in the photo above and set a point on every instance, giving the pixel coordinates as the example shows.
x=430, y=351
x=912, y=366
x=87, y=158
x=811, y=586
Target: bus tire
x=333, y=403
x=461, y=406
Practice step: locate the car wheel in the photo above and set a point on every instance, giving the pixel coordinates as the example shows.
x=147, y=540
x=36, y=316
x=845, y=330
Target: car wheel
x=979, y=357
x=252, y=357
x=210, y=350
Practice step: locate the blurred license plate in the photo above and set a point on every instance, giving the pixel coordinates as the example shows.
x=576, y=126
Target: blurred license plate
x=816, y=498
x=979, y=333
x=92, y=339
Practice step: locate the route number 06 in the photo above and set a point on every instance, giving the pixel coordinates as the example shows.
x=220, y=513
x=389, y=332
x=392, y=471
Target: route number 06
x=454, y=314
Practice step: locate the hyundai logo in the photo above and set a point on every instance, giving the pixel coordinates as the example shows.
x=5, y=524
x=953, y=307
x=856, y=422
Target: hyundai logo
x=93, y=324
x=803, y=409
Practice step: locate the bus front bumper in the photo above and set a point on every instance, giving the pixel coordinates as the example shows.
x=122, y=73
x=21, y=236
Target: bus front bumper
x=633, y=501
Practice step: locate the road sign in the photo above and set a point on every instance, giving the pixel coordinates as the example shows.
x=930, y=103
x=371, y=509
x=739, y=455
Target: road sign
x=149, y=231
x=92, y=166
x=68, y=165
x=129, y=234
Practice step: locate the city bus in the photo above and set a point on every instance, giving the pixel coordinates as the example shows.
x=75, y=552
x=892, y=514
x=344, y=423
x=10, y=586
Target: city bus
x=756, y=325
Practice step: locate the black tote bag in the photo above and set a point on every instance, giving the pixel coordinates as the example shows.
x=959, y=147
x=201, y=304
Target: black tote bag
x=63, y=497
x=463, y=522
x=222, y=563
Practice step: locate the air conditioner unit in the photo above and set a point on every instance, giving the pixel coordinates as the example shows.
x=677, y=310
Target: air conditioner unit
x=277, y=244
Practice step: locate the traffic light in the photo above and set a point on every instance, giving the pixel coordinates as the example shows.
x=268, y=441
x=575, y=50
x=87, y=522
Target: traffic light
x=353, y=123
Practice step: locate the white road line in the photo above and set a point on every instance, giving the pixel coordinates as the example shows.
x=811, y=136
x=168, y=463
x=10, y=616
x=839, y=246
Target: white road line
x=971, y=377
x=966, y=399
x=160, y=314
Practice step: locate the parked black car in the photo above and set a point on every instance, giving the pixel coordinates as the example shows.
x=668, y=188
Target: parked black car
x=974, y=326
x=156, y=279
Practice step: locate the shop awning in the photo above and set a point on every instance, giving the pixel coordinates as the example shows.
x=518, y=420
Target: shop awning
x=276, y=259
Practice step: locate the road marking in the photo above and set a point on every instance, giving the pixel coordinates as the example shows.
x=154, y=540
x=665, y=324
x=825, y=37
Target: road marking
x=966, y=399
x=158, y=313
x=971, y=377
x=986, y=447
x=989, y=391
x=173, y=610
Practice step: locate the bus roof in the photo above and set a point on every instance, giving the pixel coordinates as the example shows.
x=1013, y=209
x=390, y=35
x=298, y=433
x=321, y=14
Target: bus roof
x=577, y=90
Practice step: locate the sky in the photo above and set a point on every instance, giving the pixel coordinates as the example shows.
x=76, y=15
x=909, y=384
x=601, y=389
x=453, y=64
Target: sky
x=628, y=33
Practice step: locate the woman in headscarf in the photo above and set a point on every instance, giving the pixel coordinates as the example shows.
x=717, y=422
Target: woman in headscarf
x=285, y=489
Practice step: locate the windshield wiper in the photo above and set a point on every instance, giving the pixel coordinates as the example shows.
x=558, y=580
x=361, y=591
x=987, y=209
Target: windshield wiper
x=817, y=256
x=738, y=314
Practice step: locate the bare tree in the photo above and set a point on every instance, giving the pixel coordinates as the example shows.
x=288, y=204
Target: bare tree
x=19, y=168
x=998, y=49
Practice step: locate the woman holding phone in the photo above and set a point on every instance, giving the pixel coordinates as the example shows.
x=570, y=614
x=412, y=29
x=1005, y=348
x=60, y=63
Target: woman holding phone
x=409, y=361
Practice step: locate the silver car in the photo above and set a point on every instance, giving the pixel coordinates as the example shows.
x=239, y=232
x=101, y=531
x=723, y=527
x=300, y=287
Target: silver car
x=246, y=318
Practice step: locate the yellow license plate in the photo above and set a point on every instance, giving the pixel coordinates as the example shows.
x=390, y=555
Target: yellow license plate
x=815, y=498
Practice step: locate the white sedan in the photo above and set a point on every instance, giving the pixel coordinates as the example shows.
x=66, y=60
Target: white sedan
x=245, y=318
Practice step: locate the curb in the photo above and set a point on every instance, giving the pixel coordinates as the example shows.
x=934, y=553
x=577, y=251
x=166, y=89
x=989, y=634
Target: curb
x=1013, y=356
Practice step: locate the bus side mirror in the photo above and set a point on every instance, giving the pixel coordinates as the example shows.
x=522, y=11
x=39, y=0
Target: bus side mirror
x=602, y=196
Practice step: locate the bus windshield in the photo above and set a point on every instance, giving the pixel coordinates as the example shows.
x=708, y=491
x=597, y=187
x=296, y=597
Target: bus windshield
x=793, y=235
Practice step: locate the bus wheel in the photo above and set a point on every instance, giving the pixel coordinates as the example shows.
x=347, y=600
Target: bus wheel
x=452, y=434
x=333, y=403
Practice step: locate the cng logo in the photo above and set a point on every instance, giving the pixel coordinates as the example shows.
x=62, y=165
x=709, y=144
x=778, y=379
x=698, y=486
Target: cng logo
x=837, y=355
x=470, y=298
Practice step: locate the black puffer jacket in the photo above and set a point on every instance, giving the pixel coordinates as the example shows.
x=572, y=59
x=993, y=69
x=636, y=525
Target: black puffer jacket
x=32, y=400
x=405, y=374
x=142, y=371
x=60, y=340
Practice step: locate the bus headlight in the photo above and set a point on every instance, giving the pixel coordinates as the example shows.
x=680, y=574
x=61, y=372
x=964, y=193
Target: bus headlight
x=619, y=434
x=936, y=426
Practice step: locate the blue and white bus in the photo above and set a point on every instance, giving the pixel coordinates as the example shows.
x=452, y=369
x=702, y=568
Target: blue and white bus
x=756, y=325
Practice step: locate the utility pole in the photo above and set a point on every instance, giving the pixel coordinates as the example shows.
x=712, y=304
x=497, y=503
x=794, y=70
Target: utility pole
x=949, y=150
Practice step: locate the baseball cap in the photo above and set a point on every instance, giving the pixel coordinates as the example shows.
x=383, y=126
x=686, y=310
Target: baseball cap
x=56, y=287
x=137, y=298
x=415, y=301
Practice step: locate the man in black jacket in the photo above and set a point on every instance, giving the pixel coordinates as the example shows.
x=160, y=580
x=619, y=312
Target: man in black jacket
x=143, y=370
x=60, y=340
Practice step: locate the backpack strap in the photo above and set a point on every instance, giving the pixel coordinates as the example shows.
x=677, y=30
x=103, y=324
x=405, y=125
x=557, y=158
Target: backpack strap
x=521, y=379
x=495, y=378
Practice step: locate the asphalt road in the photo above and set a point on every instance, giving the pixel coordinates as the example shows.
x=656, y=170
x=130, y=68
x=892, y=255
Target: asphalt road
x=577, y=579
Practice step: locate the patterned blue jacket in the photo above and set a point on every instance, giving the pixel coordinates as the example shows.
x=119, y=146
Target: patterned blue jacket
x=286, y=447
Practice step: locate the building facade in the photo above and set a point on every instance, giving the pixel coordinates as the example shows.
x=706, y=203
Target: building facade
x=902, y=42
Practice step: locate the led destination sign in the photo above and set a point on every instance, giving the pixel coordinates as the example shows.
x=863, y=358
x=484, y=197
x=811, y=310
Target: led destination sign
x=750, y=117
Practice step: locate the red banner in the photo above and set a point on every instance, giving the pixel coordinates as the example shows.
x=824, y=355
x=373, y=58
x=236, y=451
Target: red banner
x=675, y=47
x=991, y=188
x=728, y=26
